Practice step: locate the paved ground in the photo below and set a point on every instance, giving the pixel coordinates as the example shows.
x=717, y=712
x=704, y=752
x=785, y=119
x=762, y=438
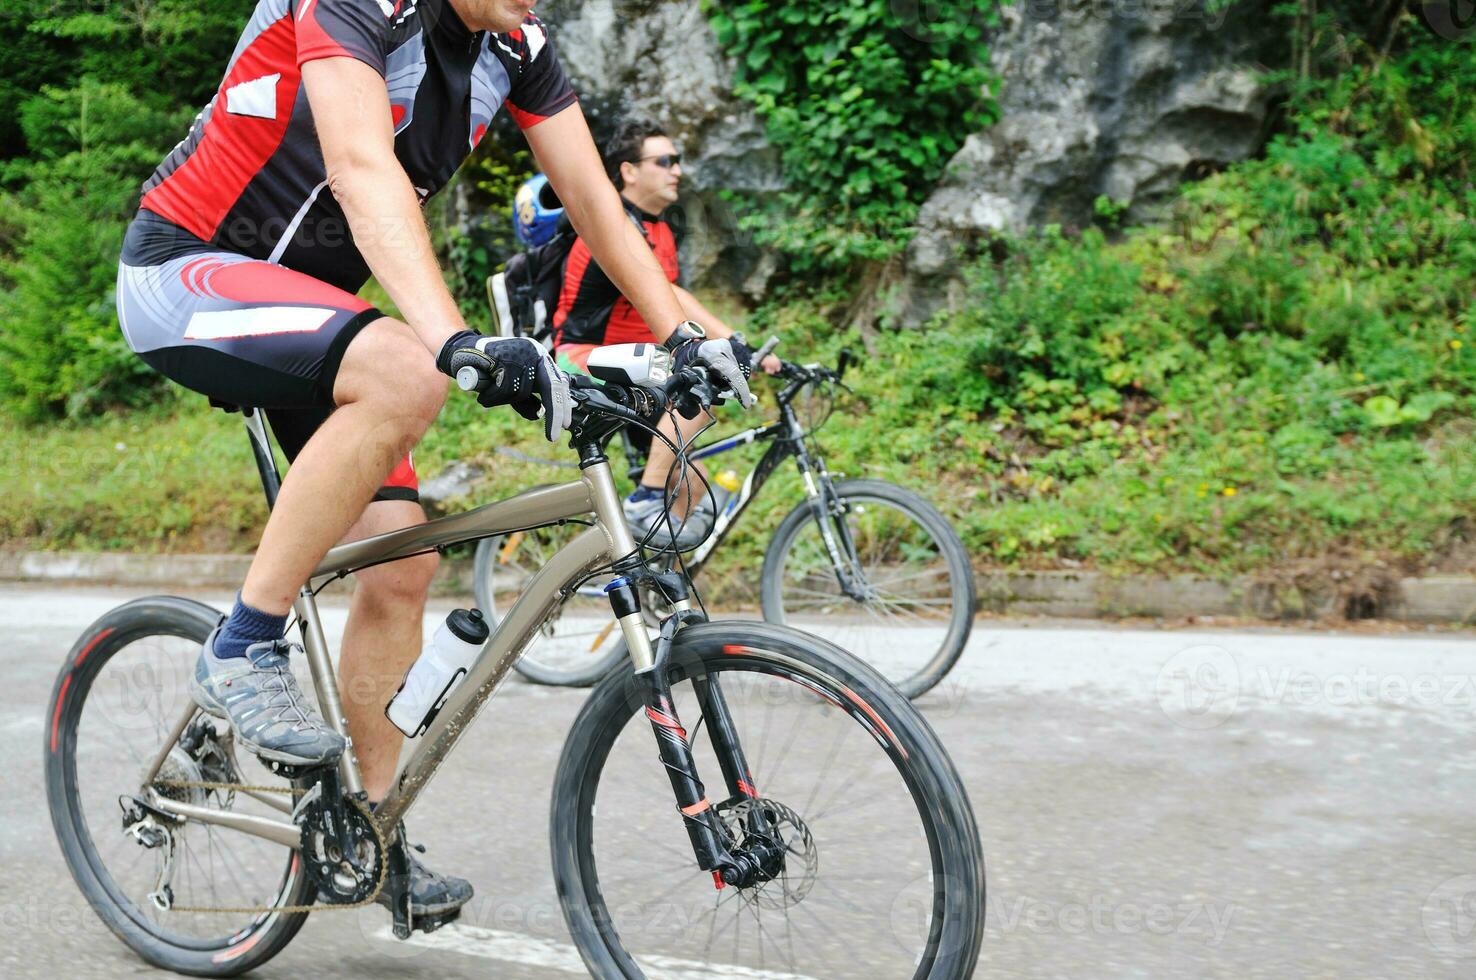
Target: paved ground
x=1152, y=804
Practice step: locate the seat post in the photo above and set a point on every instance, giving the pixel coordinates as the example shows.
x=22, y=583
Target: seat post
x=261, y=449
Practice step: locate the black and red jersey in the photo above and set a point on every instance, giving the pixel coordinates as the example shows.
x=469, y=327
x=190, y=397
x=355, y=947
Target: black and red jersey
x=591, y=308
x=250, y=178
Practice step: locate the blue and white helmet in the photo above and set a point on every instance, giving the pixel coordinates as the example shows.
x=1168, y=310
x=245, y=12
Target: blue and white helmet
x=536, y=212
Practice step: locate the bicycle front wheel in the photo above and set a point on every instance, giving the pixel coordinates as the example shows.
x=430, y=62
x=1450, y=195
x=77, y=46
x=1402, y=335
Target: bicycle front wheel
x=882, y=873
x=885, y=577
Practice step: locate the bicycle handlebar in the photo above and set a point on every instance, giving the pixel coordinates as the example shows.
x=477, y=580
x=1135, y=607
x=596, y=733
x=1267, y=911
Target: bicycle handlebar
x=643, y=406
x=764, y=351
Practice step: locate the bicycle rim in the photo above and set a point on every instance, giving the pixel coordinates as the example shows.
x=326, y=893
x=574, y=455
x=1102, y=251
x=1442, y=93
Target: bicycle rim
x=881, y=878
x=114, y=707
x=907, y=605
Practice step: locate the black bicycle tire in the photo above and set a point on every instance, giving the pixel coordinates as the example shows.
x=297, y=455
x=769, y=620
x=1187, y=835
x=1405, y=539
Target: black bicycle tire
x=155, y=616
x=484, y=562
x=621, y=696
x=960, y=571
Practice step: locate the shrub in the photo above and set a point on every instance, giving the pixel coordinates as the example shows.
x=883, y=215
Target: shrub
x=866, y=101
x=61, y=351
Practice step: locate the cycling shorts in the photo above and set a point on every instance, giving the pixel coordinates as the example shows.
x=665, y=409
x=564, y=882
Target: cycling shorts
x=247, y=333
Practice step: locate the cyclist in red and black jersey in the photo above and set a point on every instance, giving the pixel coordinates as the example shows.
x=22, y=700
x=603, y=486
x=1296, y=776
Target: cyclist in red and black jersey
x=334, y=121
x=644, y=165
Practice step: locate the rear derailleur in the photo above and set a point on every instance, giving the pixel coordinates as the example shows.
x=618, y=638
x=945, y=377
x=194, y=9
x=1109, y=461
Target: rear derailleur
x=153, y=830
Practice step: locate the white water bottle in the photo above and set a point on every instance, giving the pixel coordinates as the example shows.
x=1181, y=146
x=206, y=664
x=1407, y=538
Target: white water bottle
x=428, y=683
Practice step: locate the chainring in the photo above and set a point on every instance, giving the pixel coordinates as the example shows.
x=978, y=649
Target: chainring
x=342, y=879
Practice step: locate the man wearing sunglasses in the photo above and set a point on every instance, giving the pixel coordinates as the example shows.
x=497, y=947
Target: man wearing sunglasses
x=647, y=170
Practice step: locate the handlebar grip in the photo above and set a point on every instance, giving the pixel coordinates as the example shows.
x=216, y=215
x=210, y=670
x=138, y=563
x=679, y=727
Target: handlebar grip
x=765, y=350
x=469, y=378
x=843, y=363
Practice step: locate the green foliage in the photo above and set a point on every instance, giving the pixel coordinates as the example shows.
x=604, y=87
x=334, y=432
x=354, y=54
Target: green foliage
x=866, y=101
x=483, y=240
x=168, y=53
x=175, y=477
x=129, y=77
x=61, y=350
x=1282, y=370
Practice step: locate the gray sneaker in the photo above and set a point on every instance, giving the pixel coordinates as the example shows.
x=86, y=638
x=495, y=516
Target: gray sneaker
x=645, y=515
x=259, y=696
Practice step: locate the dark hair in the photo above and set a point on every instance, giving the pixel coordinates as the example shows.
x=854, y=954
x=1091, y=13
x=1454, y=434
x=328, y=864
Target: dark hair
x=627, y=145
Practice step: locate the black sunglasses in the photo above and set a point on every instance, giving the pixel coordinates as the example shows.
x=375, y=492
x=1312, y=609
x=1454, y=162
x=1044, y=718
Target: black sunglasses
x=666, y=161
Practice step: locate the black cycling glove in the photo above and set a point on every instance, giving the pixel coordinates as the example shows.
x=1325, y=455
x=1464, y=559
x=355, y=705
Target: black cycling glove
x=725, y=360
x=515, y=371
x=744, y=355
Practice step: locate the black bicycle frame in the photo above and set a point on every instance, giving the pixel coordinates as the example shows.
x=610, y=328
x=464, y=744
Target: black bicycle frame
x=788, y=439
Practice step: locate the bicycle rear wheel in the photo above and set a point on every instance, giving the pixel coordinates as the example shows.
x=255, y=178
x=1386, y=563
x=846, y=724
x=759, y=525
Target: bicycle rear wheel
x=907, y=604
x=123, y=687
x=883, y=875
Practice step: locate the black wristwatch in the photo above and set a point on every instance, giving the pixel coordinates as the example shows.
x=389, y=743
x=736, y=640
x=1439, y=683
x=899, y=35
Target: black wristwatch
x=685, y=331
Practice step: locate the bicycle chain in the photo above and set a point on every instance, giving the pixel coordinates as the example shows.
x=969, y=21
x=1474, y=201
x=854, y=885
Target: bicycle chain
x=379, y=840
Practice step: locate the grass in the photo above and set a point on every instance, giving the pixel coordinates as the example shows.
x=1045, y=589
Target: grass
x=179, y=478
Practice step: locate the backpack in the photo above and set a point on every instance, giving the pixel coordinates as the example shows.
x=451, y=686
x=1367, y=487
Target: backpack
x=525, y=294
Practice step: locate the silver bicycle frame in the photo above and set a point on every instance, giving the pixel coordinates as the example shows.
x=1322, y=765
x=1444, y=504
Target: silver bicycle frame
x=608, y=539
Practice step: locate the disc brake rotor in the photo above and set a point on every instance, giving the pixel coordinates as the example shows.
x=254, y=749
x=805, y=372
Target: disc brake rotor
x=801, y=865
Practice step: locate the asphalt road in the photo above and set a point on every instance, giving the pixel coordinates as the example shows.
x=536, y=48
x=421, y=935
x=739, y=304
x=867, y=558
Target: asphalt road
x=1152, y=804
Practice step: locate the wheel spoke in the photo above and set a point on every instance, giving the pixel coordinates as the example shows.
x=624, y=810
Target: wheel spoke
x=863, y=842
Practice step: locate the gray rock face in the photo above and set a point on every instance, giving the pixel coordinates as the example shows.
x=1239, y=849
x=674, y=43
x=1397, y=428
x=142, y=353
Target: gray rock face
x=1123, y=98
x=659, y=58
x=1127, y=98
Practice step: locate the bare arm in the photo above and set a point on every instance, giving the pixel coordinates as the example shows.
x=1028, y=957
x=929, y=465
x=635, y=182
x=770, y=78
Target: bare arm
x=696, y=311
x=566, y=152
x=351, y=110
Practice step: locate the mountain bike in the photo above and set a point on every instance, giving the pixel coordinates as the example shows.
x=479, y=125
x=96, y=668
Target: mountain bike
x=868, y=565
x=797, y=805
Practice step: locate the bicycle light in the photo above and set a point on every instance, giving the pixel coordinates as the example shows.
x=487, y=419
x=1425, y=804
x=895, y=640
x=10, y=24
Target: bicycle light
x=642, y=365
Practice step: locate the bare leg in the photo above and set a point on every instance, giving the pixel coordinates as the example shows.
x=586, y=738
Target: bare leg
x=661, y=463
x=381, y=640
x=388, y=393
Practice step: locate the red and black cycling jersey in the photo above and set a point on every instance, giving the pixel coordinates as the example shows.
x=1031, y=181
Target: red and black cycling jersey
x=591, y=308
x=250, y=178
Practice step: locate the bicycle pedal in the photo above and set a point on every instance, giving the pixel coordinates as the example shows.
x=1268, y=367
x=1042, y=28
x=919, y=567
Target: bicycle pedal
x=430, y=923
x=288, y=771
x=404, y=925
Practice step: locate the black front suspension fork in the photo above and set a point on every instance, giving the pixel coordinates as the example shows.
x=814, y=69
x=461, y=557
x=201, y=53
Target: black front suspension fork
x=713, y=844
